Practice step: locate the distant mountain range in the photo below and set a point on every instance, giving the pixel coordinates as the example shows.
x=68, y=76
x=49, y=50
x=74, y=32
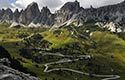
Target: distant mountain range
x=32, y=16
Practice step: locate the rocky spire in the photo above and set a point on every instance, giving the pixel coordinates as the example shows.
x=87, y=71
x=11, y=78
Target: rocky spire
x=70, y=10
x=45, y=17
x=16, y=15
x=91, y=6
x=7, y=15
x=76, y=1
x=30, y=13
x=67, y=11
x=1, y=13
x=71, y=6
x=45, y=10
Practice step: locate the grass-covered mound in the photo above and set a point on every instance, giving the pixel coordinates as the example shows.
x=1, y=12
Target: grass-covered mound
x=59, y=38
x=108, y=51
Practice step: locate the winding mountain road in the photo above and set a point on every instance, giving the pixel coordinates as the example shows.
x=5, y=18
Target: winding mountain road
x=106, y=77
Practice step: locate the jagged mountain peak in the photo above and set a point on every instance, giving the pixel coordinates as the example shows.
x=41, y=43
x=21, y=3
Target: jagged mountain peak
x=70, y=10
x=33, y=7
x=8, y=10
x=2, y=10
x=16, y=11
x=16, y=15
x=45, y=17
x=123, y=2
x=7, y=15
x=91, y=7
x=29, y=14
x=71, y=6
x=21, y=11
x=1, y=13
x=45, y=10
x=33, y=4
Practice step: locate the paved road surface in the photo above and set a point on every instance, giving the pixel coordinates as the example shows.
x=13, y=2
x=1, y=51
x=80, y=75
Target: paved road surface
x=106, y=77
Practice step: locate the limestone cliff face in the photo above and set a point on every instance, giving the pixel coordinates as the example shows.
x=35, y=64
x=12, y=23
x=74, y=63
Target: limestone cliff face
x=7, y=15
x=8, y=73
x=16, y=15
x=67, y=11
x=6, y=68
x=1, y=13
x=115, y=13
x=45, y=17
x=29, y=14
x=71, y=10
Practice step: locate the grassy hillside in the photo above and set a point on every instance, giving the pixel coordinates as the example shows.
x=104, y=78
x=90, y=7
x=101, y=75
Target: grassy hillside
x=107, y=50
x=58, y=38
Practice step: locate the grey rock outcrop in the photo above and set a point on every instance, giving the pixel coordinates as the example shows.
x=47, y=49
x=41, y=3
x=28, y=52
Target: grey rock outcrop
x=67, y=11
x=7, y=15
x=45, y=17
x=70, y=11
x=111, y=13
x=111, y=26
x=1, y=13
x=71, y=7
x=29, y=14
x=7, y=73
x=16, y=15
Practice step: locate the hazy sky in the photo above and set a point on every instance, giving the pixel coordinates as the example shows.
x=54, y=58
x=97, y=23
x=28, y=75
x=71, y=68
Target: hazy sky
x=54, y=4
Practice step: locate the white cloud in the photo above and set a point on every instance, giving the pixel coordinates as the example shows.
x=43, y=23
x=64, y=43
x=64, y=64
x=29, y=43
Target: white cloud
x=55, y=4
x=4, y=4
x=52, y=4
x=98, y=3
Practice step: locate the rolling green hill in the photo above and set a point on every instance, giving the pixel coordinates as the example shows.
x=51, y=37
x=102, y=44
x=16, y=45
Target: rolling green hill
x=107, y=50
